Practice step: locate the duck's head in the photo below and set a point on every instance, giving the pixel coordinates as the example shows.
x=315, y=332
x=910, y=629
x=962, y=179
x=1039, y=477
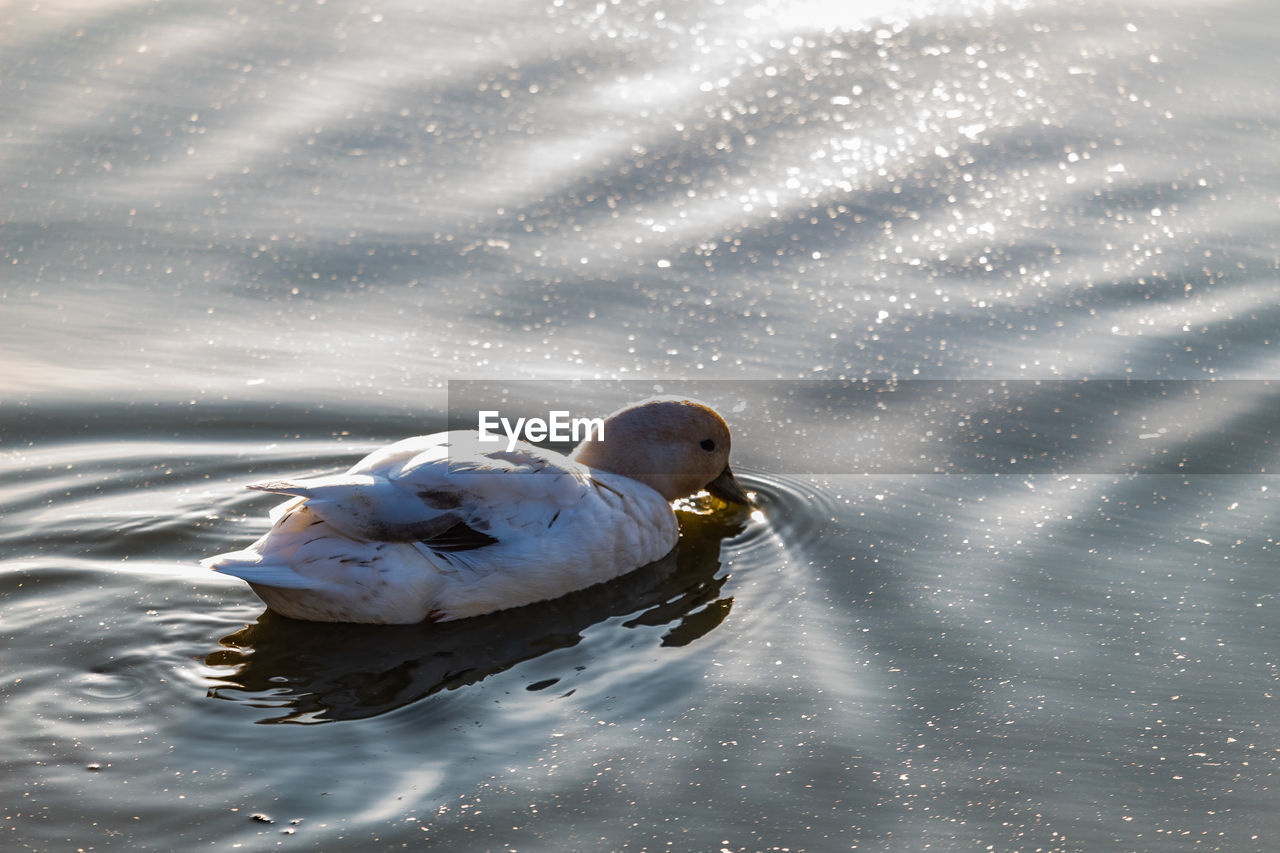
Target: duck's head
x=678, y=447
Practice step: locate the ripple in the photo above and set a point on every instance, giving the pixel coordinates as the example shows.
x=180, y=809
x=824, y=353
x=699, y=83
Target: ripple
x=792, y=509
x=113, y=687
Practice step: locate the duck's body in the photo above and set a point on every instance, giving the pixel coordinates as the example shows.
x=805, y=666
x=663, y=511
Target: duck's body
x=443, y=526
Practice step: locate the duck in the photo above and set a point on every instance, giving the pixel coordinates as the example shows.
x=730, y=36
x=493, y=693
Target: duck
x=448, y=526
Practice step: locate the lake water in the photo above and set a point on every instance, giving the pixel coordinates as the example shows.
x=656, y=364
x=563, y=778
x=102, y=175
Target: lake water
x=984, y=602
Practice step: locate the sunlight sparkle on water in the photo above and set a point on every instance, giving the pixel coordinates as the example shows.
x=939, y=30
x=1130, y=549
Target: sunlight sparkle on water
x=832, y=15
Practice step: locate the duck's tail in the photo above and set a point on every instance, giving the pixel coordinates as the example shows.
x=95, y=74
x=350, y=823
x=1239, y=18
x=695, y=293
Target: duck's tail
x=249, y=566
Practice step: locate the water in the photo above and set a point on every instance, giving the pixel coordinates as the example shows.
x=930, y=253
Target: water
x=247, y=241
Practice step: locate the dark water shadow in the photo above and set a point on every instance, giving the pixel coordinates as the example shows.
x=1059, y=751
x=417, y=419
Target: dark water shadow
x=315, y=672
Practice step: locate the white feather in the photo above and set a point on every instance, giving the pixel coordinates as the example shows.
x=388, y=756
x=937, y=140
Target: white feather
x=334, y=556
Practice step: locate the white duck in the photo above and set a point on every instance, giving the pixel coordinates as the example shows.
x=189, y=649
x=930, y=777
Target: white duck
x=443, y=527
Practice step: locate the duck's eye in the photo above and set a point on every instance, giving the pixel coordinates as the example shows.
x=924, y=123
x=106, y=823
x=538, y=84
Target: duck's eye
x=707, y=445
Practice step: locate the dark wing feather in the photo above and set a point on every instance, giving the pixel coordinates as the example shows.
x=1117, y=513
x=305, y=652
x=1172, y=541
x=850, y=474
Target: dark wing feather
x=459, y=537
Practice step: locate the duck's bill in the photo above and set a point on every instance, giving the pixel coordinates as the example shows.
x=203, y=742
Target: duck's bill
x=727, y=488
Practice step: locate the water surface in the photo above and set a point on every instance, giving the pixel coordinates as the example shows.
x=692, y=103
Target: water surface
x=250, y=241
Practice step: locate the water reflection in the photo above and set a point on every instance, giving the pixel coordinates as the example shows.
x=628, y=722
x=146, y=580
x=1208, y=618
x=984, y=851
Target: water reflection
x=320, y=672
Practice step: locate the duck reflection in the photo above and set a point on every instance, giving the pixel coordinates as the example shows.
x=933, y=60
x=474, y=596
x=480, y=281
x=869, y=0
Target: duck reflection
x=322, y=672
